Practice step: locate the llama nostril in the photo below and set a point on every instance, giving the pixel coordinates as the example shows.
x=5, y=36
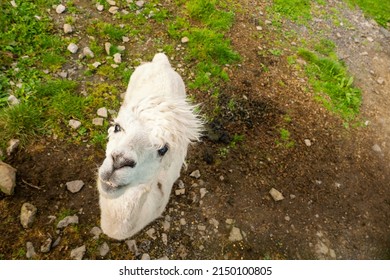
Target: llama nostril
x=119, y=161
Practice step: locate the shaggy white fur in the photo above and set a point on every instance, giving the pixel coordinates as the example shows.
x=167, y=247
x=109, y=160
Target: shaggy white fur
x=146, y=149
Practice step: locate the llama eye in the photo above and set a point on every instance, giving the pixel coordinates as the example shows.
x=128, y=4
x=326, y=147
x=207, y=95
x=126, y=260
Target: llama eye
x=163, y=150
x=117, y=128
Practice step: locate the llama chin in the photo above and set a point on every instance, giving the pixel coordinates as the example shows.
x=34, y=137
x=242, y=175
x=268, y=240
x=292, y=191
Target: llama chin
x=146, y=149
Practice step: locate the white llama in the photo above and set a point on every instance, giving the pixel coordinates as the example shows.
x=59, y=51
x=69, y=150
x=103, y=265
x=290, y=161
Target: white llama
x=146, y=149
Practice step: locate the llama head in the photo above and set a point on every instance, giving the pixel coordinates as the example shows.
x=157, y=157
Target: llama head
x=146, y=139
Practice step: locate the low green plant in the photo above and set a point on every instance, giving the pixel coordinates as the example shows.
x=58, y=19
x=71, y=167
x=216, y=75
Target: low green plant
x=377, y=9
x=285, y=139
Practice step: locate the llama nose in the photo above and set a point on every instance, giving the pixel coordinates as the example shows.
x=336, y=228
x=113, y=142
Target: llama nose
x=121, y=161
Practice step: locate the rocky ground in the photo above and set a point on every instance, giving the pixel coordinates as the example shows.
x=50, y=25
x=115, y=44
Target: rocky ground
x=321, y=194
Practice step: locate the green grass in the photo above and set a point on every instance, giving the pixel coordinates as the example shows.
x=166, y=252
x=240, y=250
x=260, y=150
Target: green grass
x=332, y=84
x=296, y=10
x=376, y=9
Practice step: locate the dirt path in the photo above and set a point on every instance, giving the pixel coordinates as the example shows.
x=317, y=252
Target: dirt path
x=335, y=185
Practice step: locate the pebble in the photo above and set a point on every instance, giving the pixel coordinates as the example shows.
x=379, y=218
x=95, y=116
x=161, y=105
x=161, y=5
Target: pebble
x=183, y=221
x=67, y=221
x=229, y=221
x=27, y=214
x=185, y=40
x=87, y=52
x=113, y=10
x=30, y=250
x=203, y=192
x=180, y=191
x=307, y=142
x=7, y=178
x=102, y=112
x=214, y=222
x=151, y=233
x=111, y=2
x=99, y=7
x=117, y=58
x=235, y=234
x=13, y=100
x=104, y=249
x=132, y=245
x=259, y=28
x=164, y=238
x=56, y=242
x=166, y=225
x=63, y=74
x=74, y=186
x=195, y=174
x=78, y=253
x=380, y=81
x=74, y=124
x=201, y=227
x=13, y=4
x=140, y=4
x=370, y=39
x=276, y=195
x=145, y=257
x=68, y=28
x=13, y=144
x=125, y=39
x=377, y=148
x=107, y=47
x=96, y=64
x=46, y=246
x=95, y=231
x=98, y=121
x=60, y=9
x=180, y=184
x=268, y=22
x=73, y=48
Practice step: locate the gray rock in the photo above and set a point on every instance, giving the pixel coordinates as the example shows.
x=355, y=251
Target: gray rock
x=276, y=195
x=78, y=253
x=235, y=235
x=96, y=64
x=27, y=214
x=13, y=144
x=99, y=7
x=117, y=58
x=132, y=245
x=74, y=186
x=30, y=252
x=185, y=40
x=180, y=191
x=111, y=2
x=107, y=47
x=67, y=28
x=67, y=221
x=56, y=242
x=164, y=238
x=151, y=233
x=380, y=81
x=46, y=246
x=166, y=226
x=7, y=178
x=113, y=10
x=195, y=174
x=102, y=112
x=203, y=192
x=145, y=257
x=87, y=52
x=73, y=48
x=140, y=4
x=96, y=231
x=74, y=124
x=307, y=142
x=104, y=249
x=377, y=148
x=13, y=100
x=98, y=121
x=60, y=9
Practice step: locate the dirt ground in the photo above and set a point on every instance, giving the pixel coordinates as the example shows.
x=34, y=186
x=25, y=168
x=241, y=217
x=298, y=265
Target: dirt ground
x=336, y=189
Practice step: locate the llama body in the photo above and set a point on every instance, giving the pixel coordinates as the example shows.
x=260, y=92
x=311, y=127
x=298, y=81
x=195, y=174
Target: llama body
x=146, y=149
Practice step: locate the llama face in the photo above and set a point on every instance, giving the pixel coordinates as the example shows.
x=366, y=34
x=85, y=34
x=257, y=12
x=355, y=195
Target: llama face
x=131, y=159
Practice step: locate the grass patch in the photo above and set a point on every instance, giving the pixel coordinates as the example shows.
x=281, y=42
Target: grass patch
x=296, y=10
x=332, y=83
x=376, y=9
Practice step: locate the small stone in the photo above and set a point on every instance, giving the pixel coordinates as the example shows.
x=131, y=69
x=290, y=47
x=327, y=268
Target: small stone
x=307, y=142
x=12, y=100
x=140, y=4
x=78, y=253
x=132, y=245
x=259, y=28
x=104, y=249
x=30, y=250
x=56, y=242
x=13, y=4
x=98, y=121
x=96, y=231
x=380, y=81
x=185, y=40
x=338, y=35
x=46, y=246
x=99, y=7
x=268, y=22
x=102, y=112
x=201, y=227
x=67, y=221
x=13, y=144
x=107, y=47
x=68, y=28
x=87, y=52
x=145, y=257
x=164, y=238
x=166, y=226
x=363, y=53
x=111, y=2
x=74, y=124
x=113, y=10
x=377, y=148
x=332, y=253
x=27, y=214
x=63, y=74
x=121, y=48
x=181, y=185
x=114, y=66
x=203, y=192
x=276, y=195
x=117, y=58
x=235, y=235
x=180, y=191
x=287, y=218
x=7, y=178
x=195, y=174
x=60, y=9
x=370, y=39
x=183, y=221
x=73, y=48
x=74, y=186
x=96, y=64
x=214, y=222
x=229, y=221
x=125, y=39
x=151, y=233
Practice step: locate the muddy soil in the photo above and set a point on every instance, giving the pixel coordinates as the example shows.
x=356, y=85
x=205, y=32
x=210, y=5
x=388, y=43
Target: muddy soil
x=335, y=186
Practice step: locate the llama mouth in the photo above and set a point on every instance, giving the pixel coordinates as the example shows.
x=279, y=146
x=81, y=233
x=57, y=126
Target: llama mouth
x=109, y=186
